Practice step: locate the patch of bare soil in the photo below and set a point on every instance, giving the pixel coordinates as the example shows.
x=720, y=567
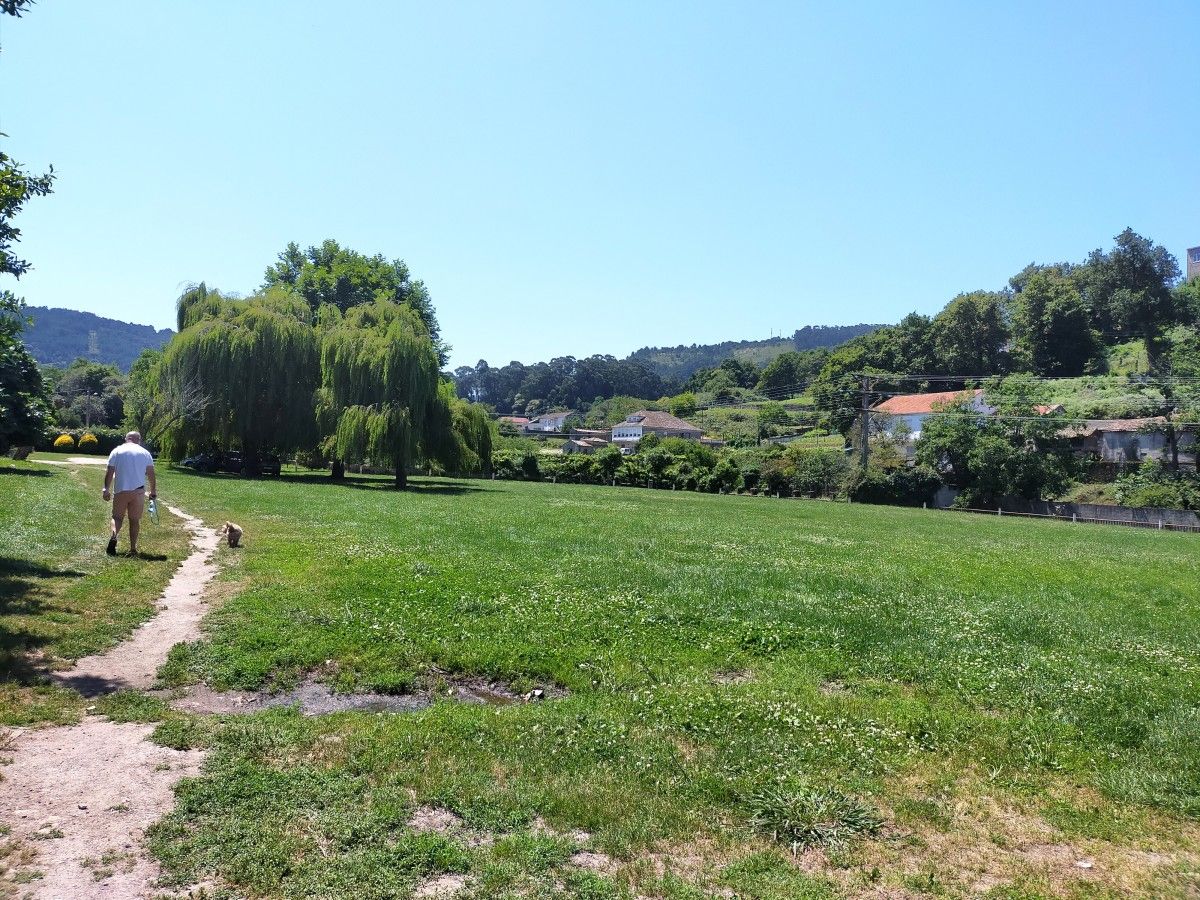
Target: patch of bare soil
x=593, y=861
x=443, y=821
x=134, y=663
x=79, y=798
x=312, y=697
x=315, y=698
x=82, y=797
x=441, y=886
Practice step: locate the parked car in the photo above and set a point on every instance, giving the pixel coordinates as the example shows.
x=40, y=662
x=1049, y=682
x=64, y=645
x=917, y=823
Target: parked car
x=231, y=462
x=203, y=462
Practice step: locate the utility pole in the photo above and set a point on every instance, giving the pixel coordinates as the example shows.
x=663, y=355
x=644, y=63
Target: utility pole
x=865, y=422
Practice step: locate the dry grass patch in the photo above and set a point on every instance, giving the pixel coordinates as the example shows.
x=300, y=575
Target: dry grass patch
x=975, y=840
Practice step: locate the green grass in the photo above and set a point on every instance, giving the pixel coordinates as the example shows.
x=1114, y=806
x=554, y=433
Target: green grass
x=985, y=684
x=60, y=596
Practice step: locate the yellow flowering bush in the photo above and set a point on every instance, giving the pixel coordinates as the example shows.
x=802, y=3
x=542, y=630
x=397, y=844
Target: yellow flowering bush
x=88, y=443
x=65, y=442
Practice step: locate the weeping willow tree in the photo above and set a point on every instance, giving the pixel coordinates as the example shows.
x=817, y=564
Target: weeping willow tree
x=255, y=362
x=457, y=434
x=379, y=390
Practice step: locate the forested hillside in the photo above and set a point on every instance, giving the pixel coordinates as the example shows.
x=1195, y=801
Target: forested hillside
x=650, y=372
x=57, y=337
x=681, y=362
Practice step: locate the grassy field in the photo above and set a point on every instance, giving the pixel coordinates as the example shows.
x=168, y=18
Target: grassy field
x=752, y=698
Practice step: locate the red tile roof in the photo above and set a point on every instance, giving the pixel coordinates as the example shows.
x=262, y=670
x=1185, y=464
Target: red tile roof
x=909, y=404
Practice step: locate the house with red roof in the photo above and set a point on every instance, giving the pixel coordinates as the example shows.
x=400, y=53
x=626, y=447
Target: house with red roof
x=906, y=413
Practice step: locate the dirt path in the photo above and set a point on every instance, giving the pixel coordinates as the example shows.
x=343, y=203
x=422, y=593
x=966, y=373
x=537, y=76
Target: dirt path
x=133, y=664
x=80, y=797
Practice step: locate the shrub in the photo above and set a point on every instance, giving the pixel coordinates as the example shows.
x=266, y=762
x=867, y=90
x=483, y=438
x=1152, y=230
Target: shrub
x=312, y=459
x=901, y=487
x=802, y=816
x=817, y=471
x=88, y=443
x=64, y=442
x=1153, y=485
x=516, y=464
x=106, y=439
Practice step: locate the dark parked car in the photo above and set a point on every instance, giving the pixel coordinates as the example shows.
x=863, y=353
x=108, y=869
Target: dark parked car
x=203, y=462
x=268, y=464
x=231, y=462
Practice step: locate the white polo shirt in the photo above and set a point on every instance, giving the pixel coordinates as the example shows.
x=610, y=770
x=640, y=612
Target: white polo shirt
x=131, y=462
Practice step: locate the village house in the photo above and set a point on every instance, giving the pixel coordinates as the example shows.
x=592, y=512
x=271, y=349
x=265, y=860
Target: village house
x=647, y=421
x=907, y=412
x=1130, y=440
x=584, y=444
x=548, y=422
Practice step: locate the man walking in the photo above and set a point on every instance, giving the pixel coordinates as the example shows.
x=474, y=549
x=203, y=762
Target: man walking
x=132, y=467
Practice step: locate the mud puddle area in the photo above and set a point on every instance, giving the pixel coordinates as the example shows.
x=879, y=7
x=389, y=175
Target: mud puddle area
x=315, y=698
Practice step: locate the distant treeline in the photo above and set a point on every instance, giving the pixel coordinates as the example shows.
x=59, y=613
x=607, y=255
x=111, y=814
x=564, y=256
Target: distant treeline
x=564, y=382
x=58, y=337
x=651, y=372
x=677, y=364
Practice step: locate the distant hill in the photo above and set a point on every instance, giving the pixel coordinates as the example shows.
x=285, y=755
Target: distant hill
x=58, y=337
x=678, y=363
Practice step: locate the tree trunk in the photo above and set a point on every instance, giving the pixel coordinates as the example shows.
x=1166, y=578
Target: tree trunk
x=338, y=472
x=401, y=477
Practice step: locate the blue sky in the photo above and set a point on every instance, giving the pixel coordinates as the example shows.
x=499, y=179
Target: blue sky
x=574, y=178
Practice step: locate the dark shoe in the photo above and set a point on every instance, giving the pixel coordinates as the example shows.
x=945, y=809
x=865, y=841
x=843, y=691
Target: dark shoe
x=111, y=549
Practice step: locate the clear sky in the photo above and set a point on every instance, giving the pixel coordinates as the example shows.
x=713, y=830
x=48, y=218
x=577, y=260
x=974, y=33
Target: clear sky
x=574, y=178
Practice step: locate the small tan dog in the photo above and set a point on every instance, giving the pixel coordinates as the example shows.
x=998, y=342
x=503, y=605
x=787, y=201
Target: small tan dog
x=232, y=533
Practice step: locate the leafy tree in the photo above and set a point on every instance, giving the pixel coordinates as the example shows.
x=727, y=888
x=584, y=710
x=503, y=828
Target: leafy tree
x=1129, y=289
x=1052, y=330
x=379, y=384
x=608, y=461
x=988, y=460
x=656, y=460
x=458, y=435
x=88, y=393
x=1187, y=302
x=17, y=187
x=970, y=335
x=341, y=277
x=725, y=474
x=24, y=404
x=683, y=405
x=770, y=415
x=255, y=361
x=789, y=372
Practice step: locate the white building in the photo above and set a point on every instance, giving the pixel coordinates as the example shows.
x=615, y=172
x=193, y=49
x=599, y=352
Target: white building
x=908, y=412
x=647, y=421
x=555, y=421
